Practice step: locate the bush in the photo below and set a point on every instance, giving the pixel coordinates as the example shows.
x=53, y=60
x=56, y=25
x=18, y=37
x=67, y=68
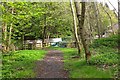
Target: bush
x=101, y=59
x=107, y=42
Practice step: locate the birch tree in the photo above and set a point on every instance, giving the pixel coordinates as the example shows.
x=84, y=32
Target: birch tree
x=4, y=27
x=10, y=32
x=75, y=26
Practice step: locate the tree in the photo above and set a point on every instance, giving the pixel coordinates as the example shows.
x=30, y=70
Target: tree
x=119, y=12
x=81, y=18
x=97, y=13
x=119, y=22
x=7, y=18
x=28, y=19
x=75, y=26
x=10, y=30
x=109, y=17
x=54, y=20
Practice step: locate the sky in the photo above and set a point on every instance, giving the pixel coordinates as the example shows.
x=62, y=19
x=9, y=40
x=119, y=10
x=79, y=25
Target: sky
x=113, y=2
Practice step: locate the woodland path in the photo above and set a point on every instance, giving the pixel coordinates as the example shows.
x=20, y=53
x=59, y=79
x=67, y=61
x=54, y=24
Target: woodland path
x=51, y=66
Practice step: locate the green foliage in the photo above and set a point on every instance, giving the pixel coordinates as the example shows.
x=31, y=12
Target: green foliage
x=28, y=18
x=107, y=58
x=78, y=68
x=107, y=42
x=104, y=55
x=20, y=64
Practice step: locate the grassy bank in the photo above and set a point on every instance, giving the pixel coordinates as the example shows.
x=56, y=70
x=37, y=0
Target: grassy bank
x=78, y=68
x=21, y=64
x=103, y=62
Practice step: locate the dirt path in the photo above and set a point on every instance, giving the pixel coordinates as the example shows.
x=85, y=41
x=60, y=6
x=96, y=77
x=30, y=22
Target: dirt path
x=51, y=66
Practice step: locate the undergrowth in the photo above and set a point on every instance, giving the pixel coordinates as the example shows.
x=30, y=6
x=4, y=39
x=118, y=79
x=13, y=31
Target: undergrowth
x=20, y=64
x=103, y=62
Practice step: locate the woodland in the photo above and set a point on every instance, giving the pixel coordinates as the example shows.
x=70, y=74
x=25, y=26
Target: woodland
x=91, y=26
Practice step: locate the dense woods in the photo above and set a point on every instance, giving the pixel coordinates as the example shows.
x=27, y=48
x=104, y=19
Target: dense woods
x=32, y=19
x=91, y=29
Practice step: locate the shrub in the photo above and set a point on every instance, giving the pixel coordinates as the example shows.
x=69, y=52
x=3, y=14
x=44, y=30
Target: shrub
x=108, y=42
x=101, y=59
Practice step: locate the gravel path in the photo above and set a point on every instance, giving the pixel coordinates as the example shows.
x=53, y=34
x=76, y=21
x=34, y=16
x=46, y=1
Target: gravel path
x=51, y=66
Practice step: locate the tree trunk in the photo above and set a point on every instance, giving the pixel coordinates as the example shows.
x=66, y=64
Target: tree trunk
x=111, y=25
x=119, y=24
x=22, y=38
x=4, y=35
x=43, y=40
x=75, y=27
x=119, y=13
x=48, y=37
x=44, y=30
x=96, y=14
x=10, y=33
x=88, y=20
x=4, y=31
x=81, y=18
x=9, y=40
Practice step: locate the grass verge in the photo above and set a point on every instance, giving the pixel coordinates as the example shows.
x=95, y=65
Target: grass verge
x=20, y=64
x=78, y=68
